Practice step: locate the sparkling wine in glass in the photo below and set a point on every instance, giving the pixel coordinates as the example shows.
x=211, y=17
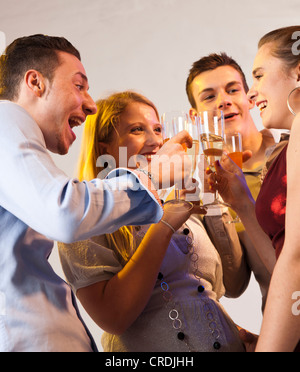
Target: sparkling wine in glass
x=173, y=123
x=212, y=141
x=212, y=148
x=234, y=149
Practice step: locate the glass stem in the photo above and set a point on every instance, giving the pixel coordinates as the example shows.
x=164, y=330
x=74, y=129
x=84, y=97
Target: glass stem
x=177, y=193
x=216, y=195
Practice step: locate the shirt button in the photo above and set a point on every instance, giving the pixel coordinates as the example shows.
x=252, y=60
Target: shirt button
x=217, y=346
x=160, y=276
x=186, y=231
x=181, y=336
x=201, y=289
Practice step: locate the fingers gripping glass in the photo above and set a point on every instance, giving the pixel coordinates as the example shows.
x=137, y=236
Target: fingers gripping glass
x=212, y=141
x=173, y=123
x=234, y=149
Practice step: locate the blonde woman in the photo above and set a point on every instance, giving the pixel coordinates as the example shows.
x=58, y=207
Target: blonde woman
x=153, y=288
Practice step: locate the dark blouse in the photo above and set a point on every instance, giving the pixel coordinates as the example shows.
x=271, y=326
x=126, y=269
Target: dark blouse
x=271, y=204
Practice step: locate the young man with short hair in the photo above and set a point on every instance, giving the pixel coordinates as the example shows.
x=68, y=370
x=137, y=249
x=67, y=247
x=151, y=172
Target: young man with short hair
x=217, y=81
x=43, y=96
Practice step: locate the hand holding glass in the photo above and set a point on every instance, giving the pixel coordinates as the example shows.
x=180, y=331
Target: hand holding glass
x=212, y=141
x=234, y=148
x=173, y=123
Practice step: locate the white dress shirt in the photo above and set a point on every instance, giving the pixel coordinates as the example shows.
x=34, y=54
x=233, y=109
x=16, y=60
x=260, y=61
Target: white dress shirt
x=39, y=204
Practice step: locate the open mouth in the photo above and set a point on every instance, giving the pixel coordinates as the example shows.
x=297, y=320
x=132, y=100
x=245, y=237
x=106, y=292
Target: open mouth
x=149, y=157
x=230, y=116
x=73, y=123
x=262, y=105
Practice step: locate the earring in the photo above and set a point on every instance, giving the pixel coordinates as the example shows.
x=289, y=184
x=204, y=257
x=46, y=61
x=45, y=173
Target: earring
x=288, y=100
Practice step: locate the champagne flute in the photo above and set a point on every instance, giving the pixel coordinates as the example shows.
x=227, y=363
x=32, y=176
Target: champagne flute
x=173, y=123
x=212, y=140
x=234, y=148
x=193, y=128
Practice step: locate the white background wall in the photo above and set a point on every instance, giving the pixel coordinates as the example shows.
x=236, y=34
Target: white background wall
x=149, y=46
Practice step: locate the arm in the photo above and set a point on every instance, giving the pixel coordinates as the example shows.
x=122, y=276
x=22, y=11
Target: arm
x=236, y=274
x=234, y=190
x=33, y=189
x=37, y=192
x=258, y=237
x=115, y=304
x=286, y=278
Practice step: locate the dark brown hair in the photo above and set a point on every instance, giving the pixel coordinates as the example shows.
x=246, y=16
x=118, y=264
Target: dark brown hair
x=37, y=52
x=211, y=62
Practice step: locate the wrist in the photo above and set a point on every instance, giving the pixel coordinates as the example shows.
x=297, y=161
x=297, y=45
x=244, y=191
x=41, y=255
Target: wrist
x=145, y=179
x=150, y=176
x=173, y=230
x=246, y=209
x=164, y=231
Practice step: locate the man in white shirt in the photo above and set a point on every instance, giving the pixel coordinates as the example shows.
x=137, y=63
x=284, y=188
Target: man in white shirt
x=43, y=96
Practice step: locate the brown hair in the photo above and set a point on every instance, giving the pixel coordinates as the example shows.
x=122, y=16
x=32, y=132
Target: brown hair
x=282, y=45
x=37, y=52
x=211, y=62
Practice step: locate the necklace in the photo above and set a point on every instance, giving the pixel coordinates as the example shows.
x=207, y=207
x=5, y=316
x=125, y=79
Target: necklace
x=170, y=301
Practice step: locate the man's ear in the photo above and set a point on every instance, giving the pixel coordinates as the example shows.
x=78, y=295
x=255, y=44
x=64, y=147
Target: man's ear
x=192, y=112
x=35, y=81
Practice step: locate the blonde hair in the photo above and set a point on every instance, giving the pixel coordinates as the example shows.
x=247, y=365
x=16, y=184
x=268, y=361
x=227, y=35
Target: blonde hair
x=100, y=128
